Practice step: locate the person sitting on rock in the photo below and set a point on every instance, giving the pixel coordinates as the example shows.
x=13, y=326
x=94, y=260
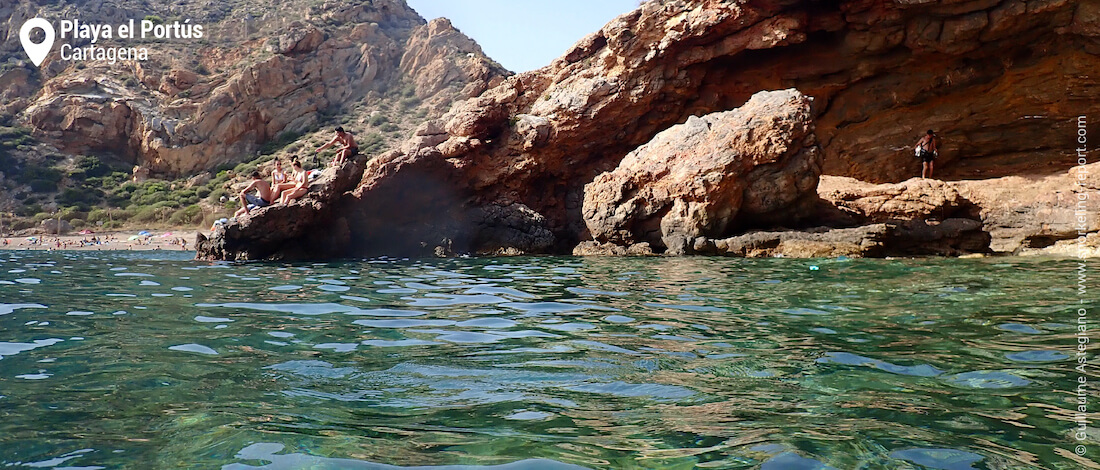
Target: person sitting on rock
x=301, y=184
x=261, y=199
x=279, y=181
x=349, y=150
x=927, y=151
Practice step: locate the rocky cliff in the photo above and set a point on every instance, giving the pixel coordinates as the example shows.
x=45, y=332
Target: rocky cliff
x=1001, y=80
x=262, y=72
x=710, y=176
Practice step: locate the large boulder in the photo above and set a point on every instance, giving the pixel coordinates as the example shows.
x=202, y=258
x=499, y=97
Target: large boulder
x=56, y=226
x=709, y=176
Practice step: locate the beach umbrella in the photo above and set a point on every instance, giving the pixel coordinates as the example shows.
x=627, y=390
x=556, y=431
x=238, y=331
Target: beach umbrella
x=135, y=237
x=144, y=233
x=32, y=239
x=85, y=232
x=166, y=235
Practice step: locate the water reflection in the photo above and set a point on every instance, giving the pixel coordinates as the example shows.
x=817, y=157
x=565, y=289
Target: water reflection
x=111, y=360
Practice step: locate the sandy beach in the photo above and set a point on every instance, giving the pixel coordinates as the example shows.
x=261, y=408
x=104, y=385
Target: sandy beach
x=156, y=240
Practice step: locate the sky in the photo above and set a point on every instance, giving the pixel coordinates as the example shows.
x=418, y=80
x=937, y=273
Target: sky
x=525, y=34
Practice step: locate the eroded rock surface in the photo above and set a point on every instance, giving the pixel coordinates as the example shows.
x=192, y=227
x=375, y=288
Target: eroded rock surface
x=190, y=110
x=709, y=176
x=289, y=231
x=990, y=77
x=1001, y=81
x=951, y=237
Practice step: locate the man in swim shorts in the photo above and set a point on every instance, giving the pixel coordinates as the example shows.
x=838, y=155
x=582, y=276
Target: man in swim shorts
x=927, y=151
x=349, y=149
x=262, y=198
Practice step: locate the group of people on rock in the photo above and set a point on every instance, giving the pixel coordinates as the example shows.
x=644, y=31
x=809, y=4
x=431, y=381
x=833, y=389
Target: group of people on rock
x=285, y=188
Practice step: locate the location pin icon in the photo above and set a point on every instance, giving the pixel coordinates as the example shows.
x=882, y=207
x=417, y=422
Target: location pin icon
x=37, y=52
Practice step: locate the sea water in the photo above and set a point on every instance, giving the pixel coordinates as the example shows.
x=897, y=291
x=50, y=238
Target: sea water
x=152, y=360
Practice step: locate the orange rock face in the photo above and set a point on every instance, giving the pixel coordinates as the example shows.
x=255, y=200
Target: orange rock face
x=1001, y=83
x=180, y=119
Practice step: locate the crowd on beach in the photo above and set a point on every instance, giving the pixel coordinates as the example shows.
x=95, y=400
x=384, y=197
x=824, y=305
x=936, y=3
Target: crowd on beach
x=104, y=242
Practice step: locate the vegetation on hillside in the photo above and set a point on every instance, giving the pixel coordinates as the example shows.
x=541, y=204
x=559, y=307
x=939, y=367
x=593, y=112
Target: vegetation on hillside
x=90, y=192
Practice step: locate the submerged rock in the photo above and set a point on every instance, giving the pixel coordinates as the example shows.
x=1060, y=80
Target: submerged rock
x=594, y=248
x=951, y=237
x=709, y=175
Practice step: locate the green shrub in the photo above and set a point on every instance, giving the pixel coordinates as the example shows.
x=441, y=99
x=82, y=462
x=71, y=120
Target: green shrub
x=77, y=223
x=217, y=194
x=244, y=169
x=409, y=103
x=98, y=215
x=28, y=210
x=43, y=186
x=149, y=193
x=372, y=143
x=22, y=224
x=32, y=173
x=93, y=167
x=14, y=137
x=147, y=214
x=190, y=215
x=70, y=213
x=74, y=196
x=280, y=141
x=123, y=214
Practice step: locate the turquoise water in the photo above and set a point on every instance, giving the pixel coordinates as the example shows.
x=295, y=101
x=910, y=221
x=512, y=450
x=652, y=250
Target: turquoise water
x=151, y=360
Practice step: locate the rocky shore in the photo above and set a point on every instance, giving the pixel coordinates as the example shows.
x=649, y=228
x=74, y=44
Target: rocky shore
x=748, y=129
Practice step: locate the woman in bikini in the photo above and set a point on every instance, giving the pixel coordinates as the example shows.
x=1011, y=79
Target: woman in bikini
x=278, y=180
x=300, y=184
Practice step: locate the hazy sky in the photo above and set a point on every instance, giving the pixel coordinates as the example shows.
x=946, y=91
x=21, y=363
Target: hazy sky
x=525, y=34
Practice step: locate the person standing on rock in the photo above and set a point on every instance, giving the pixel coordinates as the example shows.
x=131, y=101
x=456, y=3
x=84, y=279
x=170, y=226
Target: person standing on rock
x=927, y=151
x=261, y=199
x=349, y=150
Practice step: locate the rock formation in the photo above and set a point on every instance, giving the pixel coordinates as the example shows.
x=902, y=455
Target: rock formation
x=195, y=107
x=285, y=231
x=1001, y=81
x=951, y=237
x=709, y=176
